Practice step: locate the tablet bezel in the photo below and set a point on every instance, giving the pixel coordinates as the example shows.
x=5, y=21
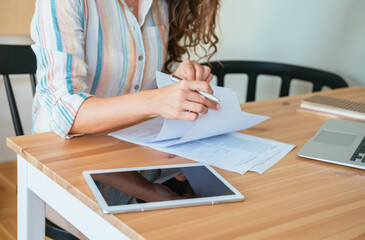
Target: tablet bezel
x=162, y=204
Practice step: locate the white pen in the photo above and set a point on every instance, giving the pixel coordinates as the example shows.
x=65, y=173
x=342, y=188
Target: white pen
x=205, y=94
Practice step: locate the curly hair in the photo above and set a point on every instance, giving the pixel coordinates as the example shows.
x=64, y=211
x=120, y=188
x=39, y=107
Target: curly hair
x=192, y=25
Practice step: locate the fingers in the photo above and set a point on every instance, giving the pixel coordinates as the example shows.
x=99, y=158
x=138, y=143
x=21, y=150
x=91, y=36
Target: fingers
x=195, y=97
x=197, y=86
x=189, y=69
x=192, y=70
x=207, y=74
x=199, y=71
x=196, y=104
x=195, y=107
x=210, y=77
x=182, y=100
x=188, y=116
x=192, y=103
x=192, y=88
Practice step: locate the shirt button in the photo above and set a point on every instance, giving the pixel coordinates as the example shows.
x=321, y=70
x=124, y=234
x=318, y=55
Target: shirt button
x=136, y=86
x=140, y=58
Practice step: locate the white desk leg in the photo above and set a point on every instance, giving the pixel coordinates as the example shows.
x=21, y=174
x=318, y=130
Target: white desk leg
x=31, y=215
x=35, y=189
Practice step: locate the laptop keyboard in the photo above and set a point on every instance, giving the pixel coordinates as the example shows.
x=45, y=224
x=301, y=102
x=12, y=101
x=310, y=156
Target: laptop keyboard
x=359, y=154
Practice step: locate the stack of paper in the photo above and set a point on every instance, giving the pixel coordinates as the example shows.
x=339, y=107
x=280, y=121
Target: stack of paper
x=209, y=139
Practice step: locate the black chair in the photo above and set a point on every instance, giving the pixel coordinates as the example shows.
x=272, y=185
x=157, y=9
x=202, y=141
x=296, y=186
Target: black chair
x=286, y=72
x=16, y=60
x=20, y=59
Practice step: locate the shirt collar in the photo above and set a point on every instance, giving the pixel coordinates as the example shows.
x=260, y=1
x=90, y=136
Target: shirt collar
x=144, y=7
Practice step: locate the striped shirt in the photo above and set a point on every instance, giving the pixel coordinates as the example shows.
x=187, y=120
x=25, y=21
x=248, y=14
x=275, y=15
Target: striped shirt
x=93, y=48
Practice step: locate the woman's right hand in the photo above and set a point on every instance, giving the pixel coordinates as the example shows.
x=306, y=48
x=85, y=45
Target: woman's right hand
x=182, y=101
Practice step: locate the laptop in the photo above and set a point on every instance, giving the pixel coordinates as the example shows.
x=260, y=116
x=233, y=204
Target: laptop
x=338, y=141
x=157, y=187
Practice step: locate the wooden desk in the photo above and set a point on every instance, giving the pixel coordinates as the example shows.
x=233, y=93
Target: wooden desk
x=297, y=198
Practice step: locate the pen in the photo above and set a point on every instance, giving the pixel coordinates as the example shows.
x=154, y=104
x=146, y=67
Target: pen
x=205, y=94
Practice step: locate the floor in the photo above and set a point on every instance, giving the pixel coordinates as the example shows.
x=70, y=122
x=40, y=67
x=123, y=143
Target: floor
x=8, y=200
x=8, y=217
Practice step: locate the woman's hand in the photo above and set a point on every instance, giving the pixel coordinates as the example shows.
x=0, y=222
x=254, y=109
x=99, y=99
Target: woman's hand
x=181, y=100
x=191, y=70
x=177, y=101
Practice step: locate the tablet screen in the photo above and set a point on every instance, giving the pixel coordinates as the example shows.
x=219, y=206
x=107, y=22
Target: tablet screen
x=158, y=185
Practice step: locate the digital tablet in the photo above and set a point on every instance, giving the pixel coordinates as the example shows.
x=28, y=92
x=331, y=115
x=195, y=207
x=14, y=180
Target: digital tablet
x=156, y=187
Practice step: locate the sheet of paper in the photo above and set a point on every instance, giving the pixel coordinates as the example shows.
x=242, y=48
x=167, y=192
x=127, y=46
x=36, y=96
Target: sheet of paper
x=214, y=119
x=233, y=151
x=178, y=131
x=203, y=126
x=149, y=132
x=210, y=139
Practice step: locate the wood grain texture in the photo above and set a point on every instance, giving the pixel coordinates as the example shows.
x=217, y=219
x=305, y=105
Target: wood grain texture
x=296, y=198
x=8, y=200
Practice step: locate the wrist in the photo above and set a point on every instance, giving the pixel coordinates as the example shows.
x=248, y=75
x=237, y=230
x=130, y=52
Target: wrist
x=151, y=102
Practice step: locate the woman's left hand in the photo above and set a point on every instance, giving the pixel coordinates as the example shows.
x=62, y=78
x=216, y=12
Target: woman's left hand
x=191, y=70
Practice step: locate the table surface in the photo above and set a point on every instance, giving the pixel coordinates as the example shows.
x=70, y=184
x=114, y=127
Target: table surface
x=296, y=198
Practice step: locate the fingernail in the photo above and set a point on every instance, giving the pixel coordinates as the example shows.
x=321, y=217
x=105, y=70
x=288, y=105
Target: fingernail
x=218, y=106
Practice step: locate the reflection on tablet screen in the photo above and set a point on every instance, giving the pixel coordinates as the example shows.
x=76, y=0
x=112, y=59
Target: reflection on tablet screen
x=131, y=187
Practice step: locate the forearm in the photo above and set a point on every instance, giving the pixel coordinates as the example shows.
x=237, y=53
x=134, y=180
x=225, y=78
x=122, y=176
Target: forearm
x=176, y=101
x=99, y=114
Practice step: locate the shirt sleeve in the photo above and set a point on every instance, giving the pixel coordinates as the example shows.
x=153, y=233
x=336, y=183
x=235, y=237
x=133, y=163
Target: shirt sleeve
x=57, y=30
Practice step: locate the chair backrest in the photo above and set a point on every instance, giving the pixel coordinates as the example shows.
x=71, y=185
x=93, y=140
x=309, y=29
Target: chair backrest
x=286, y=72
x=17, y=59
x=20, y=59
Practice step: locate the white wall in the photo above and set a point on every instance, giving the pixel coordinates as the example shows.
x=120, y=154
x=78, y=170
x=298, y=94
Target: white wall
x=326, y=34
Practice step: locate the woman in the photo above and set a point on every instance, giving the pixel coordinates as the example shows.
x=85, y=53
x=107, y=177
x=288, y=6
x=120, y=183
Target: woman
x=95, y=57
x=97, y=61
